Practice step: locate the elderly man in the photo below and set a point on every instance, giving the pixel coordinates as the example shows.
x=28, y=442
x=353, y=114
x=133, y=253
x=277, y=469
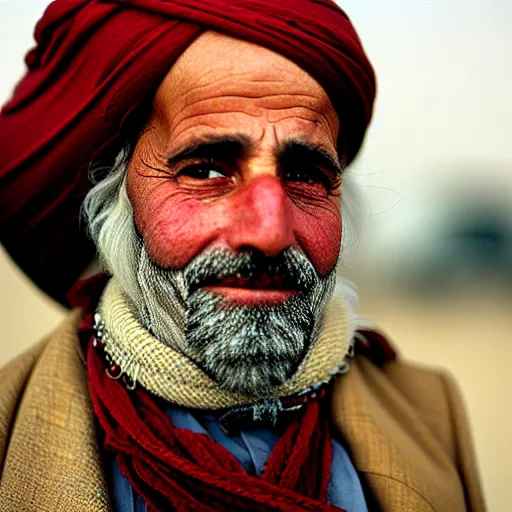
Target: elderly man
x=215, y=368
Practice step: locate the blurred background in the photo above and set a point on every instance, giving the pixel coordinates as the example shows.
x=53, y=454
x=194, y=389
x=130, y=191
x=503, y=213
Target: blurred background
x=429, y=200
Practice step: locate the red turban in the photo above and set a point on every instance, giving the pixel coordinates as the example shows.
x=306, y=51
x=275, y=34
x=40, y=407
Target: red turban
x=96, y=61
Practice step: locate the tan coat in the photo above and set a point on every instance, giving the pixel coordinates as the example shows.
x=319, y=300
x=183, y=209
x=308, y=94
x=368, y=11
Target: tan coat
x=404, y=427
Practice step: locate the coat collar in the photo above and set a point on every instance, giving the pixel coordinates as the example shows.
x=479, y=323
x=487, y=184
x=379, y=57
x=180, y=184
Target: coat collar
x=402, y=465
x=52, y=460
x=53, y=453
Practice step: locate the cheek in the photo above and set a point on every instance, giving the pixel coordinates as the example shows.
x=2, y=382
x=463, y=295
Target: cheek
x=318, y=233
x=176, y=228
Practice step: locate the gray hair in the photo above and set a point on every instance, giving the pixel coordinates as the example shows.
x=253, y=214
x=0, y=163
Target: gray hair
x=108, y=214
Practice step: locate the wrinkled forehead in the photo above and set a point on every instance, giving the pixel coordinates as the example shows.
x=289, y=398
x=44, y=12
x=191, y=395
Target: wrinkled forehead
x=218, y=65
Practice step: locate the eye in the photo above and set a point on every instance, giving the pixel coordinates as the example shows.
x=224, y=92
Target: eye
x=308, y=176
x=299, y=175
x=203, y=172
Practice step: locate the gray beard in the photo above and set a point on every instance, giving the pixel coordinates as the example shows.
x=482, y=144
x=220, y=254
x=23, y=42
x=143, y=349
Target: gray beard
x=256, y=349
x=245, y=349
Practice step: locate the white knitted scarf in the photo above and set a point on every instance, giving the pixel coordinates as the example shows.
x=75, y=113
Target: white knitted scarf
x=170, y=375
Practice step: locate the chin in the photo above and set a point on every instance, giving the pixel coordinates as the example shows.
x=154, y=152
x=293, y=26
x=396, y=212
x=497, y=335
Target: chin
x=252, y=379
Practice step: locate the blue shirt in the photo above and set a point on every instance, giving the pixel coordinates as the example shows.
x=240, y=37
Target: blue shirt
x=252, y=448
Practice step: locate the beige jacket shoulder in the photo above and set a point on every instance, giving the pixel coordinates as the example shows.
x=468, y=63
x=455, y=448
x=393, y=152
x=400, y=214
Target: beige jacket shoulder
x=404, y=427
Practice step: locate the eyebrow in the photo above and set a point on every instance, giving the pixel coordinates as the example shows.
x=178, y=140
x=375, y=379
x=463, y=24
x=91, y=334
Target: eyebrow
x=216, y=147
x=235, y=147
x=307, y=152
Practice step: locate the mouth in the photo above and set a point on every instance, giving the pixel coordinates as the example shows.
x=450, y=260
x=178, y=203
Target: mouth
x=261, y=289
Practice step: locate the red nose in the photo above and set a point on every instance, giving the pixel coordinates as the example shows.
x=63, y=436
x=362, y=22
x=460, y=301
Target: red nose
x=262, y=218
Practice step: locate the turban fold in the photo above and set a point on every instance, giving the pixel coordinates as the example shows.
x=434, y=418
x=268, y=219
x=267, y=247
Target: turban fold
x=96, y=61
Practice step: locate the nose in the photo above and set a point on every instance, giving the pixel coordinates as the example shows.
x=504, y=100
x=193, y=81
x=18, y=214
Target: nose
x=262, y=218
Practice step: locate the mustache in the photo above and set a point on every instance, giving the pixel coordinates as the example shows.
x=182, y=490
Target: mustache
x=288, y=270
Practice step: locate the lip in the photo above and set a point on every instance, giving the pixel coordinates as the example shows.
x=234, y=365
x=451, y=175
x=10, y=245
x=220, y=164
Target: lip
x=253, y=282
x=252, y=296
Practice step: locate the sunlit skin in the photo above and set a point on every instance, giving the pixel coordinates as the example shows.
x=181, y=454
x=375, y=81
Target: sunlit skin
x=240, y=152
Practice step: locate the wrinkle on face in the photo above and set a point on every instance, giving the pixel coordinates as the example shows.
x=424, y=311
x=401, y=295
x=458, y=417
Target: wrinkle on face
x=223, y=86
x=252, y=82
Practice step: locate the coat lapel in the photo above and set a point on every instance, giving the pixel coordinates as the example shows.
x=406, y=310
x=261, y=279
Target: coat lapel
x=52, y=462
x=401, y=463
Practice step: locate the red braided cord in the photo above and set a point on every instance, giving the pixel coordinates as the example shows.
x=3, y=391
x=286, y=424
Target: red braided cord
x=188, y=471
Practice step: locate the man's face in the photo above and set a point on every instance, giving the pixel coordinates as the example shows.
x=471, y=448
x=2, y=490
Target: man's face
x=240, y=153
x=235, y=188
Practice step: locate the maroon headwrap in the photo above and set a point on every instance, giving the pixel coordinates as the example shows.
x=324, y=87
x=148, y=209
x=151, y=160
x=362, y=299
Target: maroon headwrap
x=96, y=61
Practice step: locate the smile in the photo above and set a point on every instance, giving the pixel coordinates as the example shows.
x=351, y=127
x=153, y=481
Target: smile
x=252, y=296
x=253, y=290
